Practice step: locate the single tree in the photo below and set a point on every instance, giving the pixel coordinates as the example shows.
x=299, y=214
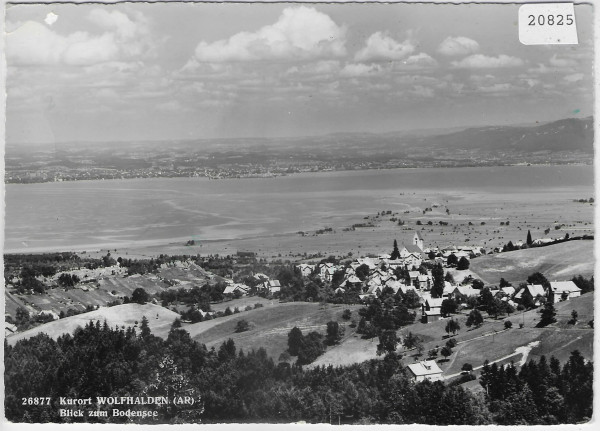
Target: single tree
x=574, y=316
x=437, y=273
x=140, y=296
x=144, y=328
x=507, y=324
x=295, y=341
x=452, y=326
x=410, y=341
x=474, y=318
x=529, y=239
x=347, y=314
x=548, y=315
x=395, y=253
x=446, y=352
x=388, y=341
x=449, y=306
x=433, y=353
x=467, y=368
x=451, y=343
x=334, y=333
x=452, y=260
x=463, y=264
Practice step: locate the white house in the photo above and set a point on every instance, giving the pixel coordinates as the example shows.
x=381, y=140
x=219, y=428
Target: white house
x=431, y=310
x=425, y=370
x=306, y=269
x=272, y=286
x=566, y=288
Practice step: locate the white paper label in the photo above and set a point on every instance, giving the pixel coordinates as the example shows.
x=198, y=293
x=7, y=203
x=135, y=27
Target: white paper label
x=547, y=24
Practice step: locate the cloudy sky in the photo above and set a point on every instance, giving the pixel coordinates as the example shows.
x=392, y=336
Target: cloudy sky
x=178, y=71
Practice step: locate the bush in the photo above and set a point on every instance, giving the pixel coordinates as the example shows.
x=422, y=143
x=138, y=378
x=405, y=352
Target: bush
x=258, y=305
x=248, y=308
x=507, y=324
x=347, y=314
x=451, y=343
x=242, y=326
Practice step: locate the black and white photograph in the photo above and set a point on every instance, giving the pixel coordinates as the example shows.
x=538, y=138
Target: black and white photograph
x=299, y=213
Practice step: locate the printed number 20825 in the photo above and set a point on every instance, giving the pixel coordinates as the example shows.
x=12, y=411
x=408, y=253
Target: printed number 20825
x=550, y=19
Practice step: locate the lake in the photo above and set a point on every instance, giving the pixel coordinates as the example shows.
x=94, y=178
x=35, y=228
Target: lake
x=122, y=213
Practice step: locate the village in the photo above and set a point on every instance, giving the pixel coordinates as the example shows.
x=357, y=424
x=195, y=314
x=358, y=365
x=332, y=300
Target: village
x=435, y=284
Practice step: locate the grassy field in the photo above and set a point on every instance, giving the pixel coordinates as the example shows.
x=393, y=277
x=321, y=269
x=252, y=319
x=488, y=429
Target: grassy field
x=557, y=262
x=489, y=341
x=558, y=339
x=106, y=290
x=159, y=321
x=270, y=325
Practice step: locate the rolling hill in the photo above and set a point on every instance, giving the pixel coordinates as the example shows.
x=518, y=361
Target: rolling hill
x=570, y=134
x=557, y=262
x=159, y=321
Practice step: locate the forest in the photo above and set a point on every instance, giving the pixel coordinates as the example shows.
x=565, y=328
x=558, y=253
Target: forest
x=230, y=385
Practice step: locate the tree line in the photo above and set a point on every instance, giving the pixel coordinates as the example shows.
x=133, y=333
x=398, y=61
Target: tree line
x=235, y=386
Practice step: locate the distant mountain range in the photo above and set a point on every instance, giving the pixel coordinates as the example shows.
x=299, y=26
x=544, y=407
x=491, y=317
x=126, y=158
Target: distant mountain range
x=570, y=134
x=568, y=141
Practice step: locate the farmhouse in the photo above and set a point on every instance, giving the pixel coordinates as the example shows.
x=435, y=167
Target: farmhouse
x=564, y=290
x=272, y=286
x=425, y=370
x=532, y=290
x=306, y=269
x=431, y=310
x=231, y=289
x=9, y=329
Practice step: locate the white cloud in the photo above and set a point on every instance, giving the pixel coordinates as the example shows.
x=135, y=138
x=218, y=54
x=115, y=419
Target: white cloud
x=32, y=43
x=562, y=62
x=480, y=61
x=575, y=77
x=421, y=60
x=380, y=47
x=355, y=70
x=300, y=32
x=458, y=46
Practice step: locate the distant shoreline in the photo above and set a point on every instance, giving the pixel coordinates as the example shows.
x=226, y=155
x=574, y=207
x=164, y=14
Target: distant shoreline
x=272, y=175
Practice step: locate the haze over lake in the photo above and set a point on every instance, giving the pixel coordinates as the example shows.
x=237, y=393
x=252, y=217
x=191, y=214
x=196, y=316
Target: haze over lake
x=95, y=214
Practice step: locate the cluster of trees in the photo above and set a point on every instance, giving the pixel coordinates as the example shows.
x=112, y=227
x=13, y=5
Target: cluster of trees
x=68, y=280
x=306, y=348
x=23, y=320
x=540, y=393
x=230, y=385
x=461, y=264
x=384, y=315
x=197, y=295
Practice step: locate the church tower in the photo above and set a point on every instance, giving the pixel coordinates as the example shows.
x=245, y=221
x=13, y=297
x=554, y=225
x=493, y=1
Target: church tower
x=418, y=240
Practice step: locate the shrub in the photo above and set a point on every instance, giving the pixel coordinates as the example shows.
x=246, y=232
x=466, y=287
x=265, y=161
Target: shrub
x=507, y=324
x=242, y=326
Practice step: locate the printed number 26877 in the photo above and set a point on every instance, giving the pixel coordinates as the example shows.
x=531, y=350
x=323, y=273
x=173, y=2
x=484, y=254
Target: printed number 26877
x=550, y=19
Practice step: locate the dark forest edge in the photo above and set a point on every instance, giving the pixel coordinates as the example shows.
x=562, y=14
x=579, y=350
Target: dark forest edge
x=229, y=385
